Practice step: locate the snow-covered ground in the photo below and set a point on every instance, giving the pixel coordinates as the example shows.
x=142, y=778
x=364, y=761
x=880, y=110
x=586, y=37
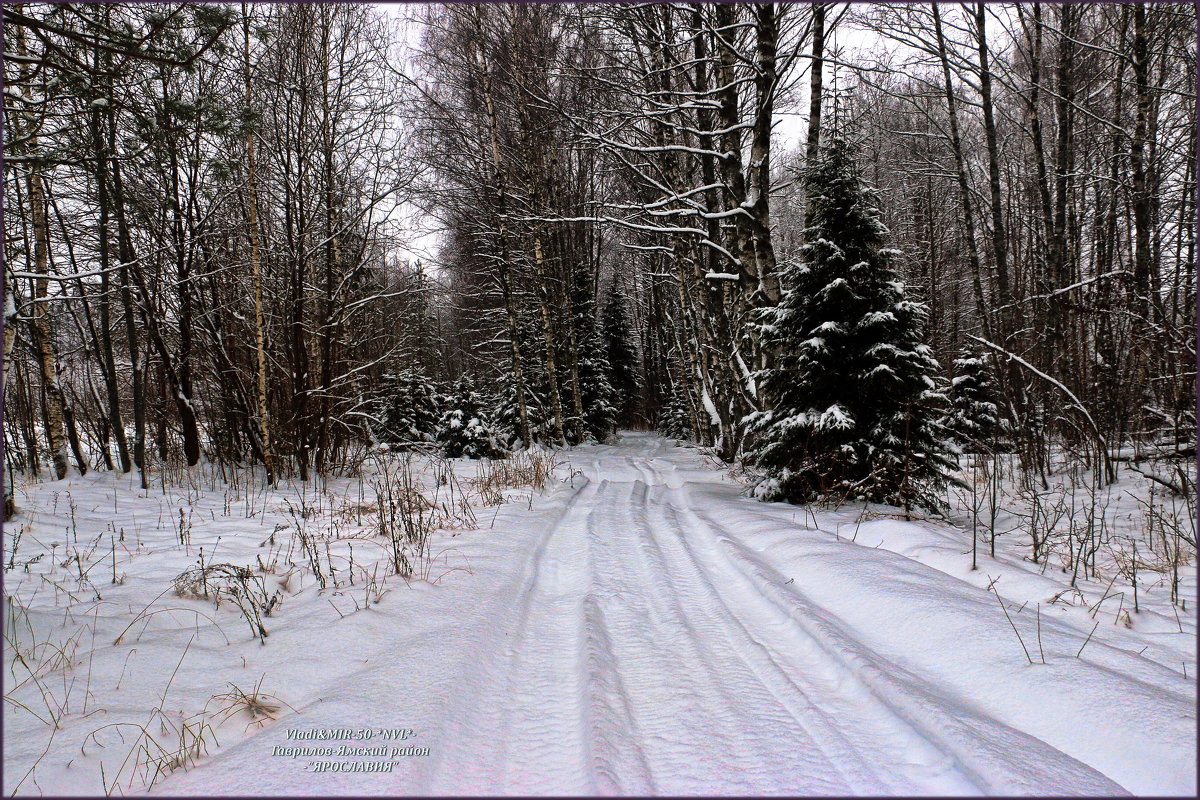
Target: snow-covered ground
x=639, y=627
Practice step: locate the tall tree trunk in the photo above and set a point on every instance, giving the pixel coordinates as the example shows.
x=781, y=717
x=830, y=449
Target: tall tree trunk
x=1045, y=259
x=504, y=278
x=39, y=312
x=729, y=314
x=1137, y=162
x=333, y=250
x=816, y=86
x=766, y=80
x=543, y=290
x=260, y=350
x=10, y=338
x=1064, y=165
x=964, y=188
x=999, y=233
x=733, y=171
x=42, y=330
x=116, y=422
x=711, y=331
x=181, y=363
x=125, y=254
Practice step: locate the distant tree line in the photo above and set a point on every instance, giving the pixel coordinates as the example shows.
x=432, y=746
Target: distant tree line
x=205, y=255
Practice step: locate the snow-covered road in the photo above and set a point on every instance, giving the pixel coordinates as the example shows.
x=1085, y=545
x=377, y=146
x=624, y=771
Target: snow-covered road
x=651, y=631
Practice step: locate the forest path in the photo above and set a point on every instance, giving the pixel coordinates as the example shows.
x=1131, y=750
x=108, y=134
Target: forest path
x=652, y=631
x=651, y=653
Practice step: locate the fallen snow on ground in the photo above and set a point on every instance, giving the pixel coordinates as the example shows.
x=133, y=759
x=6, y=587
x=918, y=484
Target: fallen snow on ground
x=640, y=627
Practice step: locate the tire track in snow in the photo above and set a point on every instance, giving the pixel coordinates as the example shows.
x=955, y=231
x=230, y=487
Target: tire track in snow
x=669, y=669
x=636, y=644
x=518, y=720
x=864, y=732
x=614, y=742
x=992, y=755
x=736, y=720
x=828, y=751
x=1129, y=658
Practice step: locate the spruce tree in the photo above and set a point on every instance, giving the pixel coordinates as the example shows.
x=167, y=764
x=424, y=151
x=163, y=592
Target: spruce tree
x=675, y=419
x=597, y=397
x=507, y=414
x=851, y=393
x=974, y=421
x=622, y=357
x=407, y=410
x=465, y=428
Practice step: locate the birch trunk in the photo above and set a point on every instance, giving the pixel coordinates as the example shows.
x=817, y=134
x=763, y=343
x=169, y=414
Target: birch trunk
x=816, y=84
x=39, y=312
x=502, y=265
x=264, y=429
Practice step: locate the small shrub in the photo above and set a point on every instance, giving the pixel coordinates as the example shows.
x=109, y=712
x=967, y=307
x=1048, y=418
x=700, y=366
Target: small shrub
x=261, y=708
x=178, y=745
x=240, y=585
x=404, y=516
x=527, y=468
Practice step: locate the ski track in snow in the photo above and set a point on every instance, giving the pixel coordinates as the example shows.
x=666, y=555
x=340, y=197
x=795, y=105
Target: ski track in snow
x=644, y=638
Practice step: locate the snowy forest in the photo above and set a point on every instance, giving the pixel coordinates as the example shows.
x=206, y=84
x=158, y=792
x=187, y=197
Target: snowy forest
x=895, y=301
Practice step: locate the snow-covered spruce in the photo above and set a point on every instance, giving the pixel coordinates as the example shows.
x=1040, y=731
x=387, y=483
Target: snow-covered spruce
x=598, y=399
x=507, y=415
x=622, y=357
x=406, y=411
x=537, y=392
x=465, y=428
x=974, y=421
x=851, y=396
x=675, y=419
x=592, y=418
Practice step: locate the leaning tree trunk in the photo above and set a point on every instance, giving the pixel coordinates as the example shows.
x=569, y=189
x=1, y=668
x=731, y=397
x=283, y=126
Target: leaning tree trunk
x=999, y=233
x=964, y=188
